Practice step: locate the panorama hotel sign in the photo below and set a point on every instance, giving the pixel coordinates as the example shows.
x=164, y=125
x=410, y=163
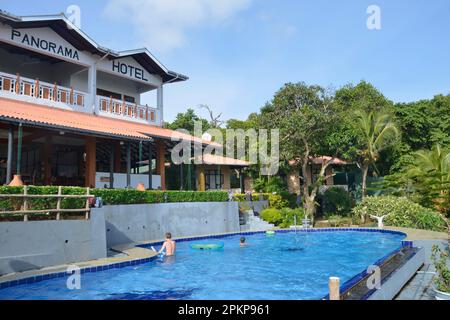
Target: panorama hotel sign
x=48, y=42
x=44, y=44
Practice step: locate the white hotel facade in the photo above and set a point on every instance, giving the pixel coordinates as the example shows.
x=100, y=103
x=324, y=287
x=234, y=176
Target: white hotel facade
x=71, y=111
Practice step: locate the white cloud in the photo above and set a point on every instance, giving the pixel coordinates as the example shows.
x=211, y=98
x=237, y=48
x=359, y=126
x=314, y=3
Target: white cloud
x=162, y=24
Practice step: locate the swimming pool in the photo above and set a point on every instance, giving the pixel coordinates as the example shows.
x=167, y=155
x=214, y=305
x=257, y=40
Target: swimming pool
x=287, y=266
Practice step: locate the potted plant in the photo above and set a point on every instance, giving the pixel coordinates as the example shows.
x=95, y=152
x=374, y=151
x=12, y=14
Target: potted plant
x=440, y=259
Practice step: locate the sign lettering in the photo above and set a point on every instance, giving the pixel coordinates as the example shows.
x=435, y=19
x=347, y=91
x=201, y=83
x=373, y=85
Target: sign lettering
x=44, y=44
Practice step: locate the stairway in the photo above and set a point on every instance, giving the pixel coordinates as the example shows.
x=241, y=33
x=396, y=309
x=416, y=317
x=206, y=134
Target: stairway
x=255, y=223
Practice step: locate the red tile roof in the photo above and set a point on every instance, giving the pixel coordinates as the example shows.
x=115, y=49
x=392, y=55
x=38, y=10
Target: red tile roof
x=84, y=123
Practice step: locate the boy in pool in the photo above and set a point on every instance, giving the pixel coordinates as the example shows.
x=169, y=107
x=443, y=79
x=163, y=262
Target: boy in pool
x=169, y=245
x=242, y=242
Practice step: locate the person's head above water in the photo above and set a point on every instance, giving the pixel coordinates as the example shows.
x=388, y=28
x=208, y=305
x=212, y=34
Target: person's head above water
x=168, y=235
x=242, y=240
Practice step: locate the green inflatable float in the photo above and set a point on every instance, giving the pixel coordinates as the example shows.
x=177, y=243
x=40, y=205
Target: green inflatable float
x=270, y=233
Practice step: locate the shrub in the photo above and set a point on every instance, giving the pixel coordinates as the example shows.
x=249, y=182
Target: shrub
x=109, y=196
x=337, y=201
x=402, y=213
x=272, y=215
x=288, y=217
x=440, y=260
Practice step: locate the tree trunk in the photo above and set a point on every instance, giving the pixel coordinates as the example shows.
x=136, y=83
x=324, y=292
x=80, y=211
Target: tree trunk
x=365, y=170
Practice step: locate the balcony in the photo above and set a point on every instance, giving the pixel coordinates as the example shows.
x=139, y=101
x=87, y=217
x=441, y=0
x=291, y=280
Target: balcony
x=35, y=91
x=44, y=93
x=121, y=109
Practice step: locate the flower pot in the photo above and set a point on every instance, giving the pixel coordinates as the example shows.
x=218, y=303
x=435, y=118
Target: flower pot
x=16, y=181
x=439, y=295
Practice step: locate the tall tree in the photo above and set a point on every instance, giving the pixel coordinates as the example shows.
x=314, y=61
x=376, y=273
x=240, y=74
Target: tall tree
x=303, y=115
x=376, y=131
x=187, y=121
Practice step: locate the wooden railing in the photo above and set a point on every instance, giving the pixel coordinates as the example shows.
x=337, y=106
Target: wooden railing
x=41, y=90
x=122, y=108
x=25, y=211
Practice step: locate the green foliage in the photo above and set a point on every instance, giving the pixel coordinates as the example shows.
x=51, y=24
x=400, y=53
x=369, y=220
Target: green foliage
x=426, y=180
x=187, y=121
x=337, y=221
x=109, y=196
x=402, y=213
x=275, y=200
x=272, y=215
x=288, y=217
x=337, y=201
x=440, y=260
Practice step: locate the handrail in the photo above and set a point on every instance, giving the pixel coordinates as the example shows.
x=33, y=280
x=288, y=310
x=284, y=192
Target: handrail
x=24, y=211
x=42, y=90
x=127, y=109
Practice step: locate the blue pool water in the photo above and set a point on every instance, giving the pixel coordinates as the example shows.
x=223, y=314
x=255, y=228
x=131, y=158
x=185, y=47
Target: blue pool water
x=286, y=266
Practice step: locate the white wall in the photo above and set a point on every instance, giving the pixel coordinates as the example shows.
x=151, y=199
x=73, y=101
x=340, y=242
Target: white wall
x=37, y=244
x=148, y=222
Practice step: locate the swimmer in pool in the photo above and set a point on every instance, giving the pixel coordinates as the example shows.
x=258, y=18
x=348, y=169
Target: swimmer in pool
x=242, y=242
x=169, y=245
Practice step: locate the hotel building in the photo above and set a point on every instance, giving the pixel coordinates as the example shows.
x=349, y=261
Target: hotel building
x=71, y=111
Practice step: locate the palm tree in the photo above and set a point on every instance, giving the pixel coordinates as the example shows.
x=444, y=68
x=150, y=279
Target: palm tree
x=376, y=131
x=431, y=176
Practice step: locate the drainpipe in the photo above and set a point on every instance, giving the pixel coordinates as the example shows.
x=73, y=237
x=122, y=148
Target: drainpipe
x=9, y=163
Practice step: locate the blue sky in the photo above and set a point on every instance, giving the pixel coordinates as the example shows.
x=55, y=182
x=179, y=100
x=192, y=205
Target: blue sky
x=237, y=53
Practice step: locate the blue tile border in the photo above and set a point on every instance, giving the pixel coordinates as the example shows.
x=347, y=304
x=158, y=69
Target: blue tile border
x=48, y=276
x=119, y=265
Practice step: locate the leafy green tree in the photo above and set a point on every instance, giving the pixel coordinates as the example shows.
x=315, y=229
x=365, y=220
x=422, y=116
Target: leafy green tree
x=376, y=131
x=187, y=121
x=303, y=115
x=431, y=177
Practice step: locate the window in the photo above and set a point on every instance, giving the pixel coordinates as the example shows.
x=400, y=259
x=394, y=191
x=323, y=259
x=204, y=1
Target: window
x=214, y=180
x=106, y=93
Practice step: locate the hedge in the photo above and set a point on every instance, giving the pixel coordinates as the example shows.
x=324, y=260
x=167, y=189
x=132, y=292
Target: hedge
x=402, y=213
x=109, y=197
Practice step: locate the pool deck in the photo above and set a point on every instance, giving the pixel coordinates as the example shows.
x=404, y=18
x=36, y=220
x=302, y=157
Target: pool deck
x=131, y=252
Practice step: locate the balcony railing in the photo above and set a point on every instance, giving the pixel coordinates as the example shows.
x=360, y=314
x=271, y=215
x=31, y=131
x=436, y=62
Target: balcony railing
x=21, y=86
x=36, y=91
x=126, y=110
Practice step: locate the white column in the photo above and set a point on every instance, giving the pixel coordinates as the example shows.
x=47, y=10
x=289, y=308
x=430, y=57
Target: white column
x=92, y=86
x=160, y=103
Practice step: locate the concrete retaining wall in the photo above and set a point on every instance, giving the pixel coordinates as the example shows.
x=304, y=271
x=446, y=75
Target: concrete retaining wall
x=37, y=244
x=148, y=222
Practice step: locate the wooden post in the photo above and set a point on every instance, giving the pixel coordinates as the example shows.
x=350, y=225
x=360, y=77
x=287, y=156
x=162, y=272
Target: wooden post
x=9, y=160
x=71, y=96
x=55, y=92
x=17, y=88
x=128, y=164
x=87, y=203
x=37, y=89
x=90, y=161
x=150, y=171
x=161, y=162
x=47, y=160
x=333, y=284
x=25, y=202
x=58, y=203
x=201, y=178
